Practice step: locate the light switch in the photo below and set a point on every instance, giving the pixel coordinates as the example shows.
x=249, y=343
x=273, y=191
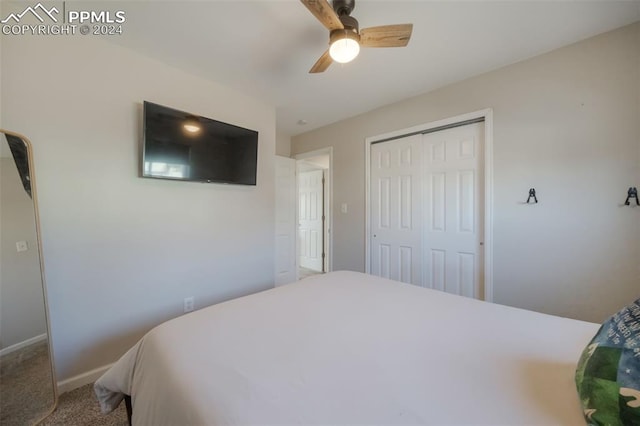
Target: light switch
x=343, y=208
x=22, y=246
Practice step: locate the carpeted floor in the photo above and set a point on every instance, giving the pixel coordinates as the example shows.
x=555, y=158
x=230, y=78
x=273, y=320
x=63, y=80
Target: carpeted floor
x=26, y=394
x=80, y=408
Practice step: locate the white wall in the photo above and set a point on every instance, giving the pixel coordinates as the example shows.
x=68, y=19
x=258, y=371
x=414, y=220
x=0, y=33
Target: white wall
x=121, y=252
x=21, y=300
x=566, y=123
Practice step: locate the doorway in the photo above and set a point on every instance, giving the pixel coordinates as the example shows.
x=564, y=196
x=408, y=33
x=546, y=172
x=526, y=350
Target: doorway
x=313, y=203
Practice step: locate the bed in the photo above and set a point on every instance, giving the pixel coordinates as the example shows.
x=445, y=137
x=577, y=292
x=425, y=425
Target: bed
x=350, y=348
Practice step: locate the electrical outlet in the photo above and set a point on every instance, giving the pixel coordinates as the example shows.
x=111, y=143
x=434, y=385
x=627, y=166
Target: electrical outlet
x=22, y=246
x=188, y=304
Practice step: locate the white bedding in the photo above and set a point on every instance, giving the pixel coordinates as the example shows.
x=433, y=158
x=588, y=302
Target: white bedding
x=349, y=348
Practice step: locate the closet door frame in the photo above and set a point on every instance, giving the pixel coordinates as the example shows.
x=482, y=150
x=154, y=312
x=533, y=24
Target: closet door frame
x=487, y=115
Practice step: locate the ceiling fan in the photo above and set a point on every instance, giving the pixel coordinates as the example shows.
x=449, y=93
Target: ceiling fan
x=345, y=36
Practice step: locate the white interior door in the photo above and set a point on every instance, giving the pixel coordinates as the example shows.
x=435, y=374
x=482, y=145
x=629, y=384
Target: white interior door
x=327, y=219
x=454, y=207
x=396, y=220
x=285, y=259
x=310, y=219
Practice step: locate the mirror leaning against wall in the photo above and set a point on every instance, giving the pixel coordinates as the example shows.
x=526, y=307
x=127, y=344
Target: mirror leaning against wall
x=28, y=390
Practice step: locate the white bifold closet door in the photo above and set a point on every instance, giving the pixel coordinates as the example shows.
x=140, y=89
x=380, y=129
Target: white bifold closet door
x=396, y=222
x=427, y=209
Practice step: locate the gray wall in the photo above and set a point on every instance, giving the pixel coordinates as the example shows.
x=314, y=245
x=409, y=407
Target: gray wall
x=21, y=299
x=283, y=144
x=121, y=252
x=566, y=122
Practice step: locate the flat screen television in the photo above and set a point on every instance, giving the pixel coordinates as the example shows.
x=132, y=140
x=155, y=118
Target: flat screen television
x=182, y=146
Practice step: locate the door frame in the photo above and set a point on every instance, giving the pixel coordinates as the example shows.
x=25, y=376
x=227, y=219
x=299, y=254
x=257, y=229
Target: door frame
x=328, y=231
x=487, y=115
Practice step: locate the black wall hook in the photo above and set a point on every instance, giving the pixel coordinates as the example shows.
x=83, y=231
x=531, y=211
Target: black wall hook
x=632, y=193
x=532, y=193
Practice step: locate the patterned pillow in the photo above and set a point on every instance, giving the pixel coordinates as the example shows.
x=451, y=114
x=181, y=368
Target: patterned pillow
x=608, y=373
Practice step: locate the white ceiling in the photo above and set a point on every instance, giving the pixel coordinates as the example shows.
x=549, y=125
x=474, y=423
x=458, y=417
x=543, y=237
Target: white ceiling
x=265, y=47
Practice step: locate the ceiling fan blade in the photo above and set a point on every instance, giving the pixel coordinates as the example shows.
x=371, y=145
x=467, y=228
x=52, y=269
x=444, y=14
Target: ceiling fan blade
x=323, y=11
x=321, y=64
x=386, y=36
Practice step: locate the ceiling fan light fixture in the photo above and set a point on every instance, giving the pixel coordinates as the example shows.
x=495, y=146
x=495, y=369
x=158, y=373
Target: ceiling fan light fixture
x=344, y=46
x=345, y=36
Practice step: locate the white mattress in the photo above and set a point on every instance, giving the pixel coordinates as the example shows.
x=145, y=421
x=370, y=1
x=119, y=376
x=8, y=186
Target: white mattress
x=349, y=348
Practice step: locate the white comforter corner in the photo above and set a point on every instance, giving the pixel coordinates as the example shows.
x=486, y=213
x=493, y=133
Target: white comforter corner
x=111, y=387
x=349, y=348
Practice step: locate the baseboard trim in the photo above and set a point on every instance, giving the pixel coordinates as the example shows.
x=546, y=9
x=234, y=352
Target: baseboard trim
x=82, y=379
x=23, y=344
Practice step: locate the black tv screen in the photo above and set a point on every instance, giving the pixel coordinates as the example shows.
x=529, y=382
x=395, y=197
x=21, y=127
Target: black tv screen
x=182, y=146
